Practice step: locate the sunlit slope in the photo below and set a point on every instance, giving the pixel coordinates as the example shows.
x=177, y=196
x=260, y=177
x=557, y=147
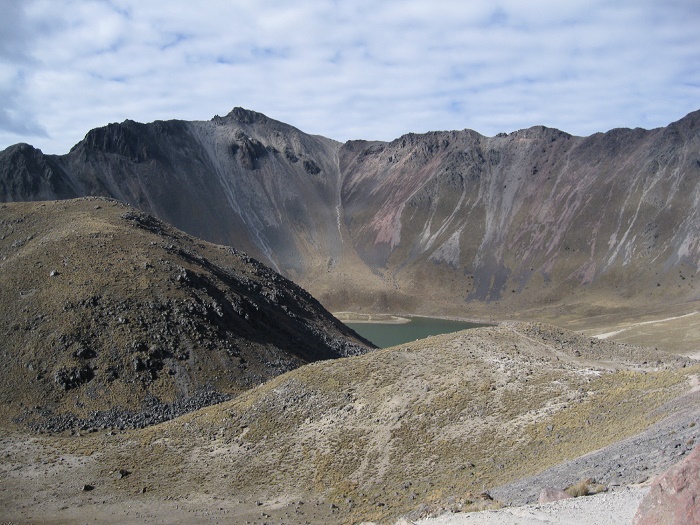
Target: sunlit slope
x=447, y=416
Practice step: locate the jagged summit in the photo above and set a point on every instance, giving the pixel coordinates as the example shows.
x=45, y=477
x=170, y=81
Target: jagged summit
x=540, y=132
x=243, y=116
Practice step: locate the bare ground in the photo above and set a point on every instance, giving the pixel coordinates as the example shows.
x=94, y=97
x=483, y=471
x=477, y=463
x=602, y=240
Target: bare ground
x=613, y=508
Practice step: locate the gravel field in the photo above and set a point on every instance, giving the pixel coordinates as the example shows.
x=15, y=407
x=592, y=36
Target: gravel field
x=627, y=462
x=620, y=466
x=611, y=508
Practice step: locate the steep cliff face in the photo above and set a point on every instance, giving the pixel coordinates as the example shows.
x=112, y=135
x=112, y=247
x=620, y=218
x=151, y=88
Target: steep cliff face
x=533, y=216
x=441, y=221
x=241, y=179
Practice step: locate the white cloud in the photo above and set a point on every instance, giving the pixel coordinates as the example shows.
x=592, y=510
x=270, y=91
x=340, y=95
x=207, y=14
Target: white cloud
x=15, y=118
x=360, y=69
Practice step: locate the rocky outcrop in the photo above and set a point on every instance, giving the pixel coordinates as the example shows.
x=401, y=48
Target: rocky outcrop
x=26, y=174
x=674, y=497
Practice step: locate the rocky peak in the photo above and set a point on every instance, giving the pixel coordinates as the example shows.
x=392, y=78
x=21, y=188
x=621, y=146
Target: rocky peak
x=126, y=139
x=241, y=116
x=27, y=174
x=540, y=132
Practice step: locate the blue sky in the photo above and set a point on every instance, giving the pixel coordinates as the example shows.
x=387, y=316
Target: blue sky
x=346, y=69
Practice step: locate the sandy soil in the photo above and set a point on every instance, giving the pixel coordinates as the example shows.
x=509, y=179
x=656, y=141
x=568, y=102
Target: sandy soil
x=671, y=328
x=612, y=508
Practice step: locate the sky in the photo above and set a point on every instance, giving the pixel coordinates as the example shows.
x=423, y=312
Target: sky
x=346, y=69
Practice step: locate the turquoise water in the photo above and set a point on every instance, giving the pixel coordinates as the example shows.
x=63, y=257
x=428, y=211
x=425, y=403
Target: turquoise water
x=385, y=335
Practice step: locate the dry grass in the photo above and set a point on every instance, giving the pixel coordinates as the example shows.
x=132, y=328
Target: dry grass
x=585, y=487
x=376, y=436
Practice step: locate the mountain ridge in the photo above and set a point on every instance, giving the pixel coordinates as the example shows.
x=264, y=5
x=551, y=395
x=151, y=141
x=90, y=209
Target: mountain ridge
x=511, y=223
x=117, y=320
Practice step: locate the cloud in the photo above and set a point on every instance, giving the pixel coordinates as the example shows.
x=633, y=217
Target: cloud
x=13, y=37
x=15, y=116
x=360, y=69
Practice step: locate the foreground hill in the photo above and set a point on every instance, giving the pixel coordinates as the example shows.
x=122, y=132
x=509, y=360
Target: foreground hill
x=438, y=223
x=414, y=430
x=105, y=308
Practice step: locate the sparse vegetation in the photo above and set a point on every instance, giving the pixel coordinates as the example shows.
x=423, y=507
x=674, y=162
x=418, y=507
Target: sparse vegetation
x=399, y=430
x=585, y=487
x=116, y=309
x=369, y=431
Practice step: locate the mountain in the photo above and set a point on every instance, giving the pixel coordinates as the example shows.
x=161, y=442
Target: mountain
x=438, y=223
x=111, y=317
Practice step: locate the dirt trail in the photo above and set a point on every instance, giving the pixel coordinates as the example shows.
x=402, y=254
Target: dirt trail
x=635, y=325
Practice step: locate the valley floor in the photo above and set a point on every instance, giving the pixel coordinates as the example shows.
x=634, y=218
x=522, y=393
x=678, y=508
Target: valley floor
x=673, y=328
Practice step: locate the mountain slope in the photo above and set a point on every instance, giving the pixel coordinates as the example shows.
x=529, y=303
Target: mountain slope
x=414, y=429
x=106, y=308
x=439, y=223
x=531, y=217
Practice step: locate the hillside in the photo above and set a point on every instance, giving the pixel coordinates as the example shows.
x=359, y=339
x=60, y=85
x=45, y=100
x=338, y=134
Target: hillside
x=533, y=223
x=414, y=430
x=105, y=308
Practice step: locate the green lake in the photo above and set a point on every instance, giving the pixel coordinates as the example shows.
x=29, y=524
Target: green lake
x=385, y=335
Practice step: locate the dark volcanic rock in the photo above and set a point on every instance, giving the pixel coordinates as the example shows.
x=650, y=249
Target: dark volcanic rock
x=44, y=420
x=68, y=378
x=26, y=174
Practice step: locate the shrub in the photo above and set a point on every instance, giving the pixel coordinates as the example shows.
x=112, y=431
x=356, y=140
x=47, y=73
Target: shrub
x=585, y=487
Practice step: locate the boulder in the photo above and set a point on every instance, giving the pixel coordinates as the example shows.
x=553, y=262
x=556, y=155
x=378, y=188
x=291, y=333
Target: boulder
x=550, y=494
x=69, y=378
x=674, y=496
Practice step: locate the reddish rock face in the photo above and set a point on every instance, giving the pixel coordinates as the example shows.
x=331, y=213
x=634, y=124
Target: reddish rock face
x=674, y=498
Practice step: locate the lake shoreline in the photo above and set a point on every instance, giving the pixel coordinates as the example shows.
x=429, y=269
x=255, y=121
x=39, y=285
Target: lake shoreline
x=390, y=330
x=358, y=318
x=363, y=318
